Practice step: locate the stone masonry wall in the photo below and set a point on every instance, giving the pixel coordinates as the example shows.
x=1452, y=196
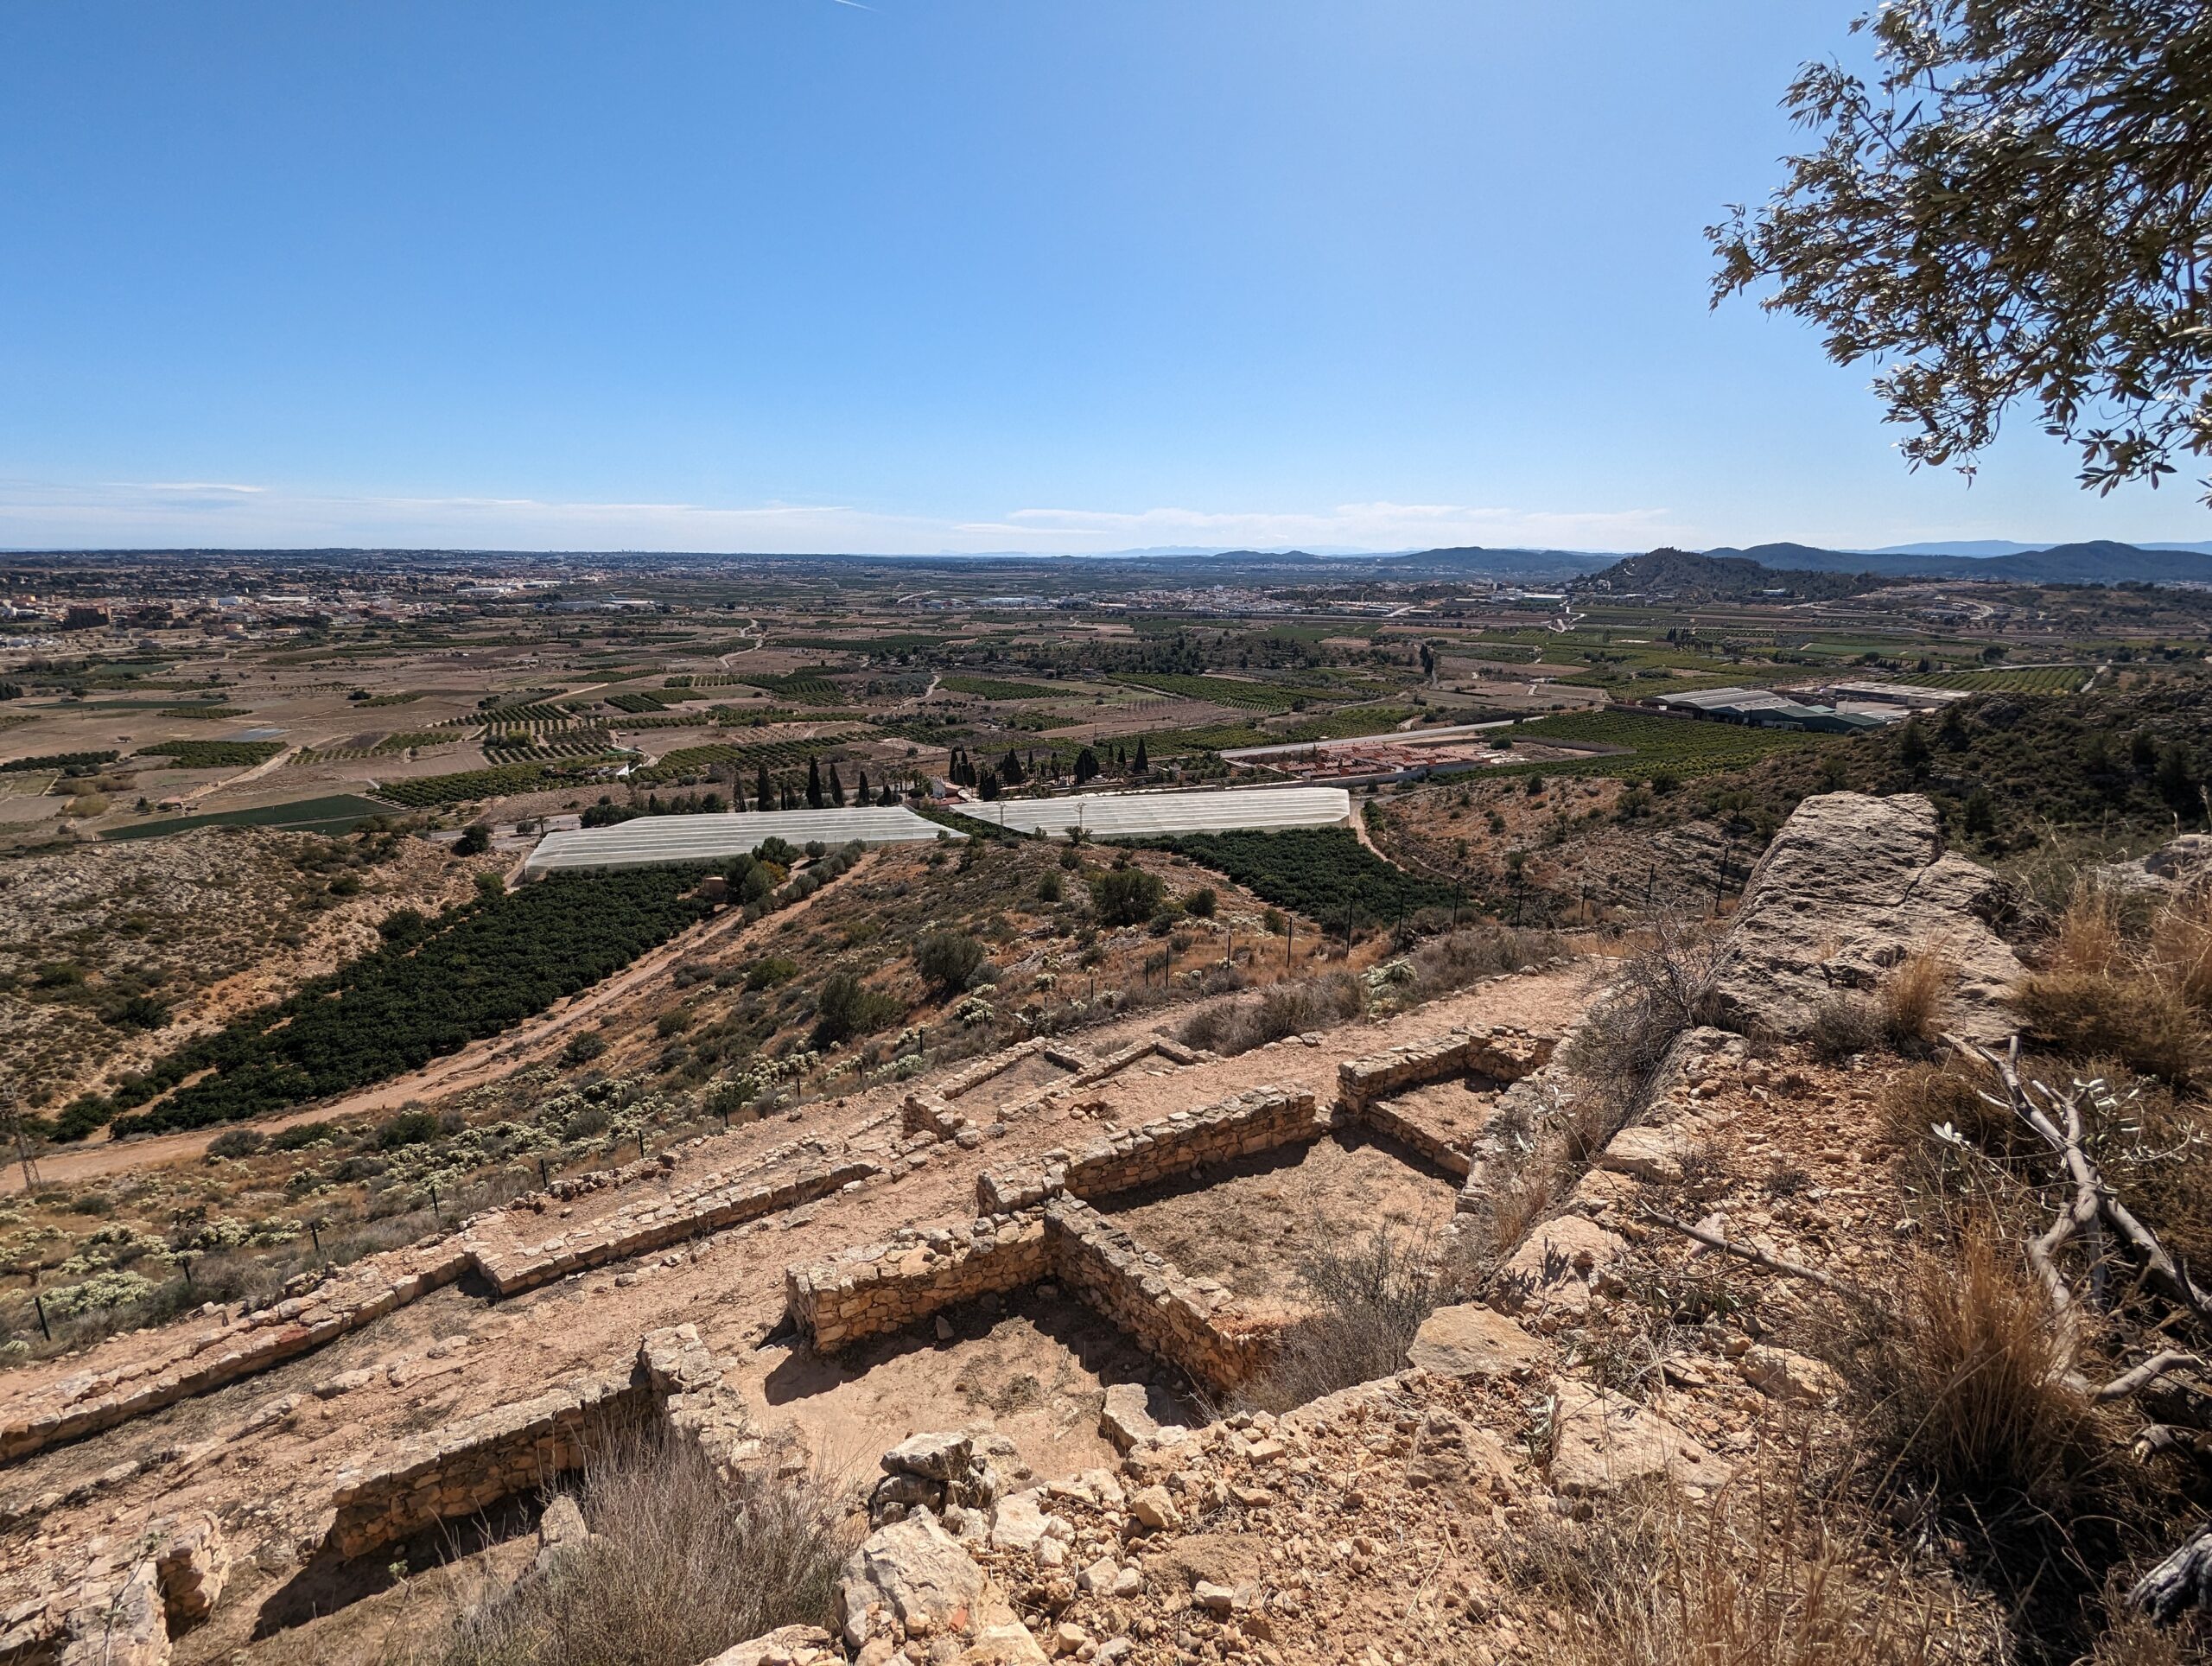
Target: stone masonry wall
x=1505, y=1054
x=715, y=1203
x=214, y=1355
x=1258, y=1120
x=886, y=1287
x=467, y=1466
x=1164, y=1314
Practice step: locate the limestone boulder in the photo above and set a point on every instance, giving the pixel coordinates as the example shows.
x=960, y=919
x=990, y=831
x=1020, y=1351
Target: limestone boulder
x=787, y=1645
x=941, y=1458
x=1603, y=1442
x=912, y=1579
x=1556, y=1269
x=1472, y=1341
x=1850, y=886
x=123, y=1624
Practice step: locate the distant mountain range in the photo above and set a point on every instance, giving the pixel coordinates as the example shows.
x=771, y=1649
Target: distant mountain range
x=2098, y=562
x=1979, y=547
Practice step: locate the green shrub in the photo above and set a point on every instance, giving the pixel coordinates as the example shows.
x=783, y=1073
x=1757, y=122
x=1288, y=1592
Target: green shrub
x=947, y=960
x=408, y=1127
x=1125, y=896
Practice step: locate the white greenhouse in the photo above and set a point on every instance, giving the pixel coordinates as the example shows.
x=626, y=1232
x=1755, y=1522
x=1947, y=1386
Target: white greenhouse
x=1137, y=815
x=648, y=841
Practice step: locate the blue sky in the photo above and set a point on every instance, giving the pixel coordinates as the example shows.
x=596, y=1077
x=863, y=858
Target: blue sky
x=929, y=275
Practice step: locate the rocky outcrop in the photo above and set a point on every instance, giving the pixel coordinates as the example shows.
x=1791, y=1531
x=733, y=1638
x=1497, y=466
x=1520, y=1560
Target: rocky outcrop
x=1851, y=886
x=912, y=1581
x=1605, y=1442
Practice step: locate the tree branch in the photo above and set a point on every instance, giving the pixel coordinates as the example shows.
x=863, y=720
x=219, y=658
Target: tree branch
x=1757, y=1257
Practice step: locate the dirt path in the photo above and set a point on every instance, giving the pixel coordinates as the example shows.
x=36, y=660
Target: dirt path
x=267, y=766
x=473, y=1066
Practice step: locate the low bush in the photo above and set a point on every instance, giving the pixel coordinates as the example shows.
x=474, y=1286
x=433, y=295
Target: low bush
x=1282, y=1010
x=1367, y=1303
x=582, y=1048
x=676, y=1568
x=947, y=960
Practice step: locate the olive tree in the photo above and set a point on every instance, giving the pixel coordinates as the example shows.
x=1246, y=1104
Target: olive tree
x=2012, y=210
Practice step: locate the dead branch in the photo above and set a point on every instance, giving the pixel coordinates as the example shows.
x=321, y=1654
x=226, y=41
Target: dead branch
x=2139, y=1377
x=2162, y=1438
x=1756, y=1257
x=2182, y=1581
x=2171, y=1279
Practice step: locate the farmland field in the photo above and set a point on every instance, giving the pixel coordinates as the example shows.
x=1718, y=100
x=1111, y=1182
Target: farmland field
x=212, y=754
x=433, y=986
x=1222, y=690
x=338, y=813
x=992, y=687
x=429, y=790
x=2021, y=679
x=1678, y=746
x=1318, y=872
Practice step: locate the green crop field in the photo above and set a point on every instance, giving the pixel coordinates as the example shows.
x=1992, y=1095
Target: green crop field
x=1675, y=746
x=212, y=754
x=2018, y=679
x=1319, y=872
x=778, y=755
x=431, y=792
x=991, y=688
x=339, y=813
x=1221, y=691
x=808, y=688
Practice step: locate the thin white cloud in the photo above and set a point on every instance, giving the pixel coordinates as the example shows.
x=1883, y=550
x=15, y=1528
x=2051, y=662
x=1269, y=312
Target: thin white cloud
x=147, y=513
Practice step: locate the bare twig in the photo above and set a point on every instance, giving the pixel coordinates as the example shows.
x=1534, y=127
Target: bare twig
x=1756, y=1257
x=2139, y=1377
x=2171, y=1279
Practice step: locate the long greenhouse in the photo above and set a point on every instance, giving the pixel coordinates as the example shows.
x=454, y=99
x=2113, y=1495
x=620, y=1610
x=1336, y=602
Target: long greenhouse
x=648, y=841
x=1120, y=815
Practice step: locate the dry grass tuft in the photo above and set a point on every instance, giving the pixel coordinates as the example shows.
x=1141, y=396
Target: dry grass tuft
x=1970, y=1372
x=1748, y=1581
x=2130, y=1015
x=676, y=1570
x=1912, y=1001
x=2089, y=937
x=1367, y=1302
x=2179, y=953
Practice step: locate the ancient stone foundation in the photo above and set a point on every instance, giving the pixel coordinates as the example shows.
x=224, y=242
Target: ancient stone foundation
x=210, y=1355
x=887, y=1287
x=465, y=1467
x=1259, y=1120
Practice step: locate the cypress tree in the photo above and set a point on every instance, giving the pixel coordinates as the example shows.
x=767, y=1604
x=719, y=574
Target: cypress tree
x=836, y=788
x=762, y=796
x=813, y=783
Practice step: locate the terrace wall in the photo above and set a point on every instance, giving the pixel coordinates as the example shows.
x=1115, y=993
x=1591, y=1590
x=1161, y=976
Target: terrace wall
x=469, y=1467
x=887, y=1287
x=464, y=1467
x=1166, y=1315
x=1257, y=1120
x=215, y=1355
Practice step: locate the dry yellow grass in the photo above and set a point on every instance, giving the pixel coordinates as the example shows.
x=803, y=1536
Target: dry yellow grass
x=2089, y=938
x=1913, y=998
x=1750, y=1581
x=1971, y=1372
